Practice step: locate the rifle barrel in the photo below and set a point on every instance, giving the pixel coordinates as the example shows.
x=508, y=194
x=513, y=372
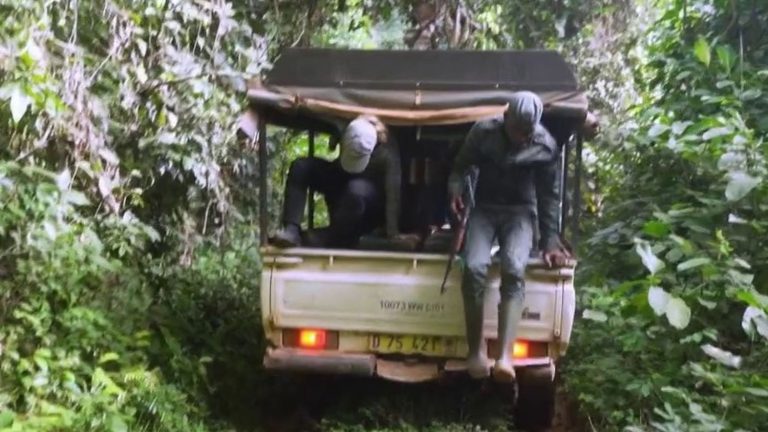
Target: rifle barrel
x=458, y=240
x=445, y=276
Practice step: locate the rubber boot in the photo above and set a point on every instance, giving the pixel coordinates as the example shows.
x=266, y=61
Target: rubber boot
x=510, y=312
x=477, y=360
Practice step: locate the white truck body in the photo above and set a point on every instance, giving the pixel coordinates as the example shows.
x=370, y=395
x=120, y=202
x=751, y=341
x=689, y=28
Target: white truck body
x=382, y=314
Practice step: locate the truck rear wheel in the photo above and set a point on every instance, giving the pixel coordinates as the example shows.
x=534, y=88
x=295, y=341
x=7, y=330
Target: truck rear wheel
x=535, y=408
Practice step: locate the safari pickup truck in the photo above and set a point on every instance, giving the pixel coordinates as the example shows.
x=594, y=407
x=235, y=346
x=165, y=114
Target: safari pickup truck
x=377, y=311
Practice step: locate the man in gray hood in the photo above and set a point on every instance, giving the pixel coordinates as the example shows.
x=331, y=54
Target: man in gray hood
x=515, y=159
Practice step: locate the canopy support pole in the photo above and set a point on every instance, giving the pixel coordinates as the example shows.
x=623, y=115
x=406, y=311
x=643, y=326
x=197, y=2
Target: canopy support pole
x=311, y=195
x=566, y=150
x=577, y=191
x=263, y=185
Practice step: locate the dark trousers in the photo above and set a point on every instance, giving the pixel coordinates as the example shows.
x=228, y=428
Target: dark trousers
x=355, y=204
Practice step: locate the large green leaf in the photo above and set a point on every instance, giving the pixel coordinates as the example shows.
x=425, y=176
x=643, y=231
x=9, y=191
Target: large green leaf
x=75, y=198
x=740, y=185
x=657, y=129
x=19, y=104
x=6, y=418
x=63, y=179
x=726, y=56
x=674, y=255
x=108, y=357
x=678, y=313
x=725, y=357
x=757, y=391
x=656, y=228
x=658, y=299
x=702, y=51
x=716, y=133
x=731, y=161
x=117, y=424
x=650, y=260
x=693, y=263
x=753, y=298
x=755, y=320
x=594, y=315
x=751, y=94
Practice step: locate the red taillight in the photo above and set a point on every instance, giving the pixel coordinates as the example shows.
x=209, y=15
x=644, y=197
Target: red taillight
x=313, y=339
x=521, y=349
x=317, y=339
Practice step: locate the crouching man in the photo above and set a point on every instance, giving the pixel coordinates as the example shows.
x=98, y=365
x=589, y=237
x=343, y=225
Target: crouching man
x=361, y=188
x=517, y=182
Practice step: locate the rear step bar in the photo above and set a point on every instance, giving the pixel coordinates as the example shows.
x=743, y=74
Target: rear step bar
x=335, y=363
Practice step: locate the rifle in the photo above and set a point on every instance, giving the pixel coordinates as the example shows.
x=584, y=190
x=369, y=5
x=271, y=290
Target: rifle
x=458, y=235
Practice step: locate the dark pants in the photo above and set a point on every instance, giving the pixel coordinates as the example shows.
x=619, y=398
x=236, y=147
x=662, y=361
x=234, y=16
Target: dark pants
x=355, y=204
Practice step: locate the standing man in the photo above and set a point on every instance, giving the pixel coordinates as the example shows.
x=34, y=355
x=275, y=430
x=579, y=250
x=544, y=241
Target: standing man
x=517, y=181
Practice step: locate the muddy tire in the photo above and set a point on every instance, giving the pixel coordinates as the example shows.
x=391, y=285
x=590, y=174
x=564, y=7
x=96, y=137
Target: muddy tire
x=535, y=408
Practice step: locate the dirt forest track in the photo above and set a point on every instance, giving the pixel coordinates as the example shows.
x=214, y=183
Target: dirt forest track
x=310, y=403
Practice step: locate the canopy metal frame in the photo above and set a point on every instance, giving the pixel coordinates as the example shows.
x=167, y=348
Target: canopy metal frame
x=316, y=90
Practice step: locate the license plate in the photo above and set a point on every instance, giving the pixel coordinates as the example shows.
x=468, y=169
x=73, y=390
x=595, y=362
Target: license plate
x=408, y=344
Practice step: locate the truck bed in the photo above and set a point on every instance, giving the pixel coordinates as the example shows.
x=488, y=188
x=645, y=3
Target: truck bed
x=364, y=293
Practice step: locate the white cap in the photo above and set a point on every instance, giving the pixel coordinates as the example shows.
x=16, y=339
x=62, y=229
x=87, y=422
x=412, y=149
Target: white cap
x=357, y=144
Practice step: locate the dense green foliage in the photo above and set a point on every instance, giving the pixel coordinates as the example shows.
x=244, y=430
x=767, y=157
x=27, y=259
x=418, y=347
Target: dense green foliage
x=128, y=256
x=125, y=276
x=675, y=273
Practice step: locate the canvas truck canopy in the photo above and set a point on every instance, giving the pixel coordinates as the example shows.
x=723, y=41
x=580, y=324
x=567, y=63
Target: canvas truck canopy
x=430, y=97
x=413, y=88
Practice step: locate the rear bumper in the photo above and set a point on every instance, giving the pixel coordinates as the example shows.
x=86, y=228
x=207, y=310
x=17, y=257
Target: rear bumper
x=323, y=362
x=335, y=363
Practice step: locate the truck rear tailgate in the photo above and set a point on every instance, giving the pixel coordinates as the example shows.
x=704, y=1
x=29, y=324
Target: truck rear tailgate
x=398, y=293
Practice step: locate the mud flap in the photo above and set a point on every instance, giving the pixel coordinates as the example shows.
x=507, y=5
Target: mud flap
x=535, y=408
